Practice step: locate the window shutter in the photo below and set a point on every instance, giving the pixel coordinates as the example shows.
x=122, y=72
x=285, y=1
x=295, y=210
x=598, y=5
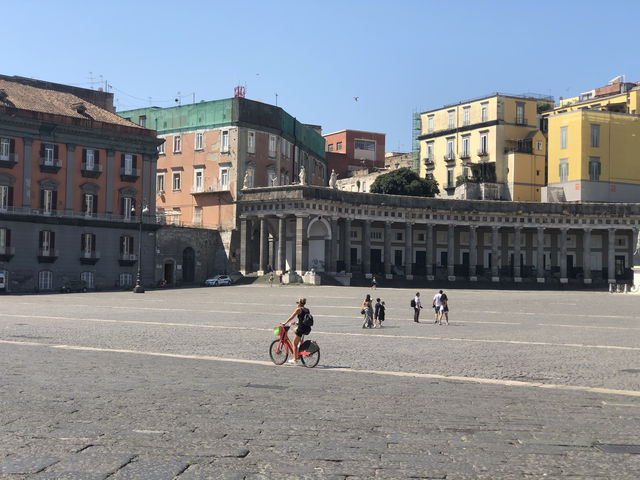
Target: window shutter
x=96, y=157
x=55, y=152
x=10, y=199
x=41, y=149
x=54, y=200
x=93, y=242
x=82, y=242
x=12, y=146
x=135, y=161
x=41, y=199
x=84, y=155
x=122, y=160
x=130, y=244
x=133, y=207
x=84, y=203
x=8, y=237
x=122, y=206
x=52, y=236
x=95, y=205
x=121, y=245
x=40, y=238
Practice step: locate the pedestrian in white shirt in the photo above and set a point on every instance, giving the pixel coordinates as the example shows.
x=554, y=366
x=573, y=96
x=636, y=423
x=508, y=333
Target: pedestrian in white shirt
x=436, y=305
x=417, y=308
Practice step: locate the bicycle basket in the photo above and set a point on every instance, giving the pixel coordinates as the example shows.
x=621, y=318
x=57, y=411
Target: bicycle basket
x=276, y=330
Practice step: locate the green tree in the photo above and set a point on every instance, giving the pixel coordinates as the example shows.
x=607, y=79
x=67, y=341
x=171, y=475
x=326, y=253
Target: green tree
x=405, y=181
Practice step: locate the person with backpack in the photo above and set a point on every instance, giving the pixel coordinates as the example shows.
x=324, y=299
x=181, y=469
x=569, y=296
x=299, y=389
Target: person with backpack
x=367, y=311
x=305, y=321
x=417, y=306
x=376, y=314
x=381, y=314
x=436, y=305
x=444, y=308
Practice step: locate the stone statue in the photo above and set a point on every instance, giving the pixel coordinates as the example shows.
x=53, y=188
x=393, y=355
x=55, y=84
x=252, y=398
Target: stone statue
x=333, y=181
x=302, y=176
x=247, y=180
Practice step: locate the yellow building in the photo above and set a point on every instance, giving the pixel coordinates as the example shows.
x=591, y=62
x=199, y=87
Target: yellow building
x=487, y=148
x=593, y=146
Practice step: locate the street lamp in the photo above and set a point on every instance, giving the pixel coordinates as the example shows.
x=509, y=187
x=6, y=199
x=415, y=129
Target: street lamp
x=139, y=288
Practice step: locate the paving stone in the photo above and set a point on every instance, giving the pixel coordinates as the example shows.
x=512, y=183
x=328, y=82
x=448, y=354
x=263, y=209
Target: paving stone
x=18, y=465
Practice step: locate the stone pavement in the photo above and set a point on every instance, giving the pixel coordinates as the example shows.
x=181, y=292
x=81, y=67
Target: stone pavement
x=178, y=384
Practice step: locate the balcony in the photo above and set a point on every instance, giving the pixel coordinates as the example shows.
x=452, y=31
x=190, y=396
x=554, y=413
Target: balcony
x=91, y=171
x=428, y=162
x=465, y=155
x=49, y=165
x=482, y=152
x=127, y=259
x=521, y=121
x=47, y=255
x=129, y=174
x=9, y=160
x=216, y=187
x=449, y=157
x=6, y=253
x=89, y=258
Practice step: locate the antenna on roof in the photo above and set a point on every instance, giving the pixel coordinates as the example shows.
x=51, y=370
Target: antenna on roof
x=239, y=91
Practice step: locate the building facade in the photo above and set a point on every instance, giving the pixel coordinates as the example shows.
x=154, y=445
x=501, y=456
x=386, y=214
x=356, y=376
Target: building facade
x=74, y=179
x=594, y=142
x=349, y=150
x=298, y=229
x=491, y=147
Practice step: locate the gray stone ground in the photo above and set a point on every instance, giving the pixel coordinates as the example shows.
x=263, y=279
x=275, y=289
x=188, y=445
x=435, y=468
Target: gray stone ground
x=178, y=384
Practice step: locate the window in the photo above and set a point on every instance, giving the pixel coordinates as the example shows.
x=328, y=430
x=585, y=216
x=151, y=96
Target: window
x=160, y=183
x=595, y=135
x=284, y=148
x=6, y=197
x=177, y=144
x=398, y=236
x=142, y=121
x=365, y=145
x=199, y=141
x=465, y=115
x=465, y=146
x=127, y=163
x=126, y=280
x=339, y=146
x=451, y=114
x=563, y=137
x=127, y=207
x=87, y=244
x=224, y=178
x=272, y=145
x=484, y=112
x=539, y=145
x=161, y=147
x=449, y=148
x=450, y=183
x=5, y=148
x=5, y=240
x=126, y=247
x=225, y=141
x=376, y=235
x=176, y=181
x=272, y=178
x=89, y=278
x=197, y=215
x=564, y=169
x=430, y=124
x=46, y=243
x=594, y=169
x=331, y=147
x=484, y=143
x=89, y=201
x=45, y=280
x=49, y=153
x=251, y=141
x=520, y=120
x=47, y=201
x=198, y=175
x=89, y=159
x=430, y=151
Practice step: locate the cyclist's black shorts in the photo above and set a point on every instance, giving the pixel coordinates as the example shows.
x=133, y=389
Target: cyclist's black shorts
x=303, y=330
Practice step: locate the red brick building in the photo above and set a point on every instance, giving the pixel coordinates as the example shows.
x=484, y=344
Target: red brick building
x=349, y=150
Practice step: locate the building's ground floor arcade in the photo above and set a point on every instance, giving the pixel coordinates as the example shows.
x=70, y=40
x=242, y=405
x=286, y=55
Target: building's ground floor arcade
x=297, y=229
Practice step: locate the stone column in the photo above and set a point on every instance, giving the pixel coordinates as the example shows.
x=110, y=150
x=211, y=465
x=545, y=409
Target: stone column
x=282, y=244
x=301, y=245
x=586, y=256
x=245, y=224
x=387, y=250
x=540, y=254
x=347, y=245
x=109, y=174
x=495, y=248
x=451, y=253
x=563, y=256
x=333, y=263
x=408, y=251
x=611, y=256
x=366, y=249
x=264, y=246
x=473, y=253
x=430, y=275
x=517, y=265
x=69, y=190
x=26, y=173
x=153, y=177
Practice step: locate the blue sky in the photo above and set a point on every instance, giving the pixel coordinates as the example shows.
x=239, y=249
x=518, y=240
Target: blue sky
x=397, y=57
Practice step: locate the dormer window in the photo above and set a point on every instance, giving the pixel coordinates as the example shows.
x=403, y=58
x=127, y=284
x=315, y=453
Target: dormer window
x=3, y=95
x=81, y=108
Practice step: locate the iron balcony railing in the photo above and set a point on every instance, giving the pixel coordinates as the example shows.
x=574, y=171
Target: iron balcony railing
x=147, y=219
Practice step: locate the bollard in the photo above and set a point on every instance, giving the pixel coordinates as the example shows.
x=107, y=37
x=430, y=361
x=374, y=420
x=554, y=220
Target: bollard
x=626, y=288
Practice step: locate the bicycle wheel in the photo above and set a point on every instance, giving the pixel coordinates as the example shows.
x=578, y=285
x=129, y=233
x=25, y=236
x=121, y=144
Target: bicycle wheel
x=311, y=360
x=278, y=356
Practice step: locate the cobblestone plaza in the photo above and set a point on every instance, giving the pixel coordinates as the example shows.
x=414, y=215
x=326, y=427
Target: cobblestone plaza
x=178, y=384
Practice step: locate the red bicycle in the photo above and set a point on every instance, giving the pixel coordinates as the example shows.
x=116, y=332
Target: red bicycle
x=308, y=351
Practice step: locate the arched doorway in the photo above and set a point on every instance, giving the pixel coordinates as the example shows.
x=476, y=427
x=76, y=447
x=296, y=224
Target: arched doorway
x=188, y=265
x=318, y=233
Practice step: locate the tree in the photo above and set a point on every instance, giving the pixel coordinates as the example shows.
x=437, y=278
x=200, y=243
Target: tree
x=405, y=181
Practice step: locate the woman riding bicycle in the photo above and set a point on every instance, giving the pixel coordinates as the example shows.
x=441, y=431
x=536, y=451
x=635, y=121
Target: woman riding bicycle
x=301, y=330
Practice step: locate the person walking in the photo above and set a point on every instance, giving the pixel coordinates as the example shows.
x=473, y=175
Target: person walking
x=374, y=284
x=376, y=314
x=280, y=279
x=271, y=279
x=381, y=314
x=436, y=306
x=444, y=308
x=417, y=307
x=368, y=312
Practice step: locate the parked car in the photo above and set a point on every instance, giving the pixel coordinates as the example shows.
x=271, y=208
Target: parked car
x=74, y=286
x=235, y=276
x=217, y=281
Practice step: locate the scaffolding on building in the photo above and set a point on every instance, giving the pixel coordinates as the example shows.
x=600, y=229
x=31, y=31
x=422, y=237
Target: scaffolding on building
x=416, y=130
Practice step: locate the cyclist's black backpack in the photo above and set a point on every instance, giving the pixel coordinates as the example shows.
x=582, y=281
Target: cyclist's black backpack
x=307, y=320
x=413, y=303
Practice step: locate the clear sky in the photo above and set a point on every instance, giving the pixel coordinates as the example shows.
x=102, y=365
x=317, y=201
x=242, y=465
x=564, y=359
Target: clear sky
x=396, y=57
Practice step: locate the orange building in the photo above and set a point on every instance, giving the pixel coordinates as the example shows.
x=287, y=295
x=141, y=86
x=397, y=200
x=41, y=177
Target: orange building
x=349, y=150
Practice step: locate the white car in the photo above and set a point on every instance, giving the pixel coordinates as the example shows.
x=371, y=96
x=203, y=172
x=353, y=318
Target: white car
x=217, y=281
